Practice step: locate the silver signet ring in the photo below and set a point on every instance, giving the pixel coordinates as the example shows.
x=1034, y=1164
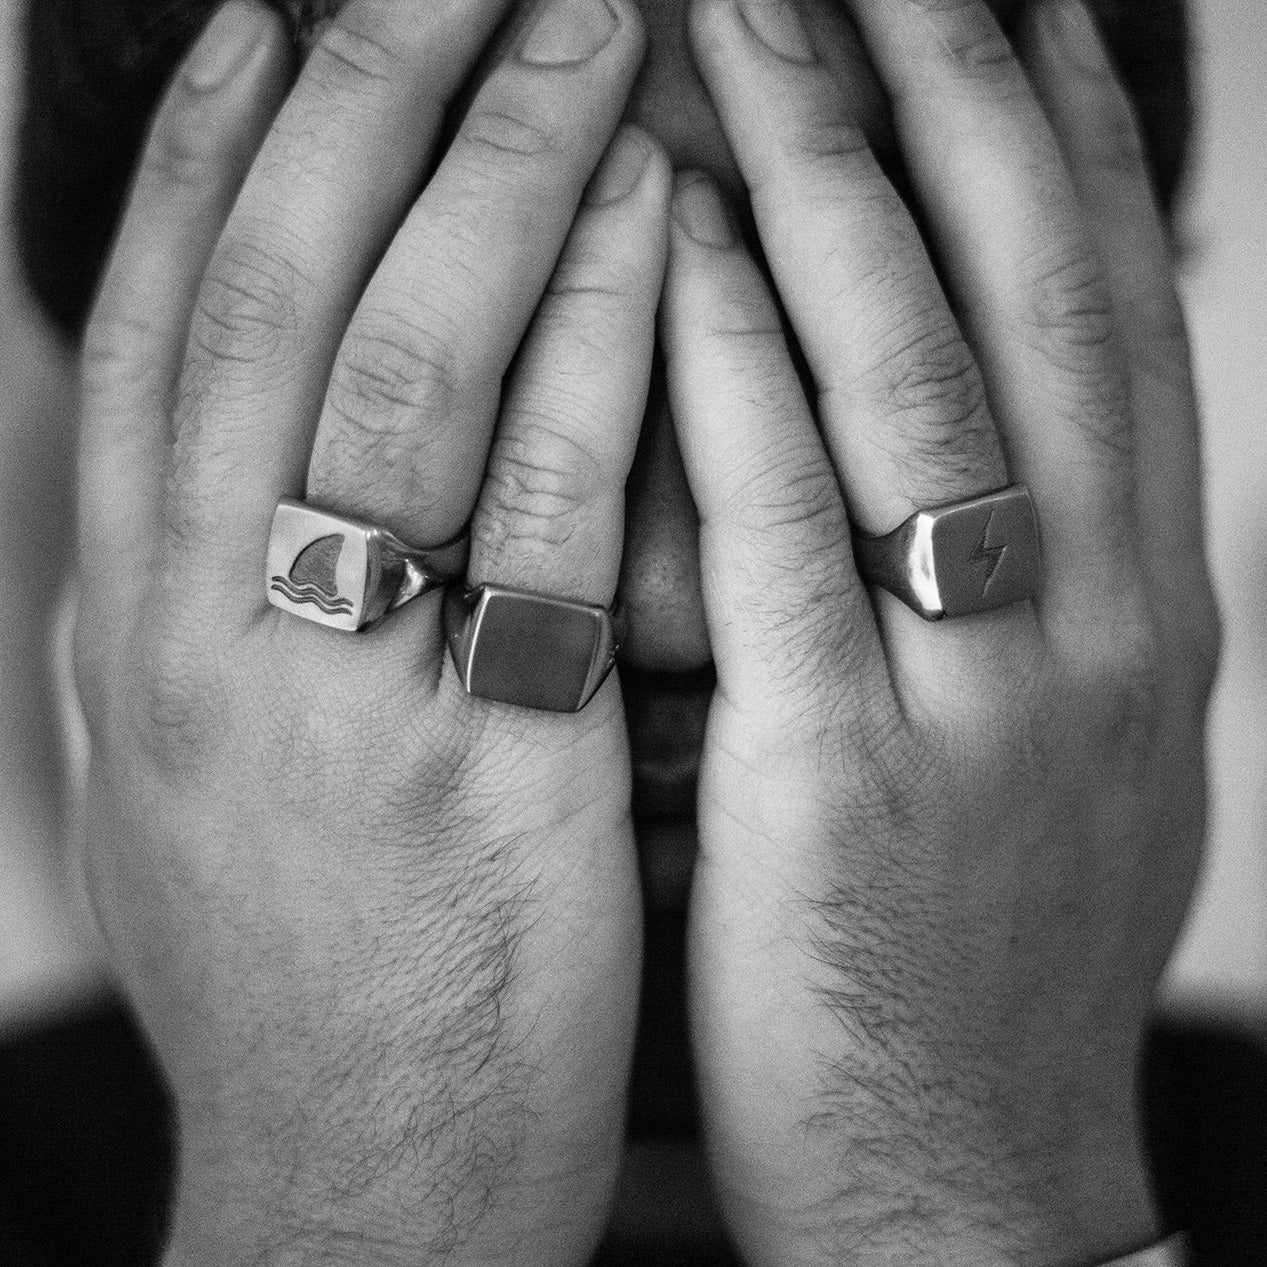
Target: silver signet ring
x=534, y=650
x=345, y=573
x=958, y=559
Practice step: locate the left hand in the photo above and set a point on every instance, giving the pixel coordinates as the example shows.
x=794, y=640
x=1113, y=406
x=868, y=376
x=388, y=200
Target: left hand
x=942, y=866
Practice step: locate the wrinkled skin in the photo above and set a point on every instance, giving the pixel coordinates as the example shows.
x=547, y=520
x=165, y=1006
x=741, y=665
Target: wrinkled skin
x=386, y=937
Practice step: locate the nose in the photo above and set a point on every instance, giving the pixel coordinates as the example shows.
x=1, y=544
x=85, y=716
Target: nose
x=660, y=576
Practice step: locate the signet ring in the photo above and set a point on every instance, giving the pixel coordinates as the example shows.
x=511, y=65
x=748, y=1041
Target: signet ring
x=958, y=559
x=348, y=574
x=530, y=649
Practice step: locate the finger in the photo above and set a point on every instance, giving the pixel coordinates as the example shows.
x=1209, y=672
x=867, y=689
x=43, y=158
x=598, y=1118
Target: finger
x=404, y=434
x=203, y=138
x=550, y=517
x=783, y=602
x=900, y=397
x=551, y=511
x=1100, y=138
x=1012, y=238
x=332, y=180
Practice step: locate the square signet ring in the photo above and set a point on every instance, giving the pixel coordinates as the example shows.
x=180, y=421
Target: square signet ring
x=535, y=650
x=347, y=574
x=958, y=559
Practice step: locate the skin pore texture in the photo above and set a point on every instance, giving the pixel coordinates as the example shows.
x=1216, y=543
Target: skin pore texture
x=386, y=938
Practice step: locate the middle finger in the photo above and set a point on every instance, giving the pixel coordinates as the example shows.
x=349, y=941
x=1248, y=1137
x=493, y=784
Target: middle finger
x=404, y=434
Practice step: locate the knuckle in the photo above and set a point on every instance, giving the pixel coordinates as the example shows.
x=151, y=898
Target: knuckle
x=351, y=54
x=389, y=374
x=969, y=42
x=247, y=305
x=1130, y=693
x=1074, y=328
x=790, y=487
x=834, y=147
x=1117, y=148
x=1071, y=304
x=933, y=394
x=489, y=138
x=594, y=277
x=180, y=158
x=176, y=716
x=540, y=480
x=747, y=344
x=109, y=351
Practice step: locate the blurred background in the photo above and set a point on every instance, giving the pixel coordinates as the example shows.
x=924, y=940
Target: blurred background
x=48, y=961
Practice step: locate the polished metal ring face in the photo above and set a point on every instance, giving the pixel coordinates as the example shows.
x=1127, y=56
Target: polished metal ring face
x=534, y=650
x=959, y=559
x=347, y=574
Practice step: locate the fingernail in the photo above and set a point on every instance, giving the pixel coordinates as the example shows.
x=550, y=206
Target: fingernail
x=568, y=31
x=699, y=209
x=778, y=26
x=224, y=45
x=1074, y=29
x=621, y=169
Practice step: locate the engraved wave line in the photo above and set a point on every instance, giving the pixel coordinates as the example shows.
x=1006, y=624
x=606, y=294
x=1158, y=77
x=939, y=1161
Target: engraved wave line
x=311, y=594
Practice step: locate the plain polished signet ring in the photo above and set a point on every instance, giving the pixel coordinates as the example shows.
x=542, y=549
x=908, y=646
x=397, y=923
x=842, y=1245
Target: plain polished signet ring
x=534, y=650
x=955, y=560
x=345, y=573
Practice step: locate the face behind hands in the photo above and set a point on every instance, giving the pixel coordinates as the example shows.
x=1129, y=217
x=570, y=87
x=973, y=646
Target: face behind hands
x=665, y=661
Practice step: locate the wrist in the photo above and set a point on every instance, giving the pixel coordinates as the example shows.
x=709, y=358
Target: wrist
x=323, y=1188
x=912, y=1198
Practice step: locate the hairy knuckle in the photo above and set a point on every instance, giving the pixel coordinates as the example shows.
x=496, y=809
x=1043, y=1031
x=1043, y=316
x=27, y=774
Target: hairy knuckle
x=247, y=306
x=789, y=487
x=930, y=388
x=389, y=374
x=539, y=481
x=1074, y=327
x=1071, y=301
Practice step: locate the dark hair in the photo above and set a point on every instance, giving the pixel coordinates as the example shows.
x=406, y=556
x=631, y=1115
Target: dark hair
x=95, y=69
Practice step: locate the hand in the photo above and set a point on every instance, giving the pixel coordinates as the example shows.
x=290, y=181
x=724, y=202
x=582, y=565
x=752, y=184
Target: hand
x=942, y=866
x=362, y=915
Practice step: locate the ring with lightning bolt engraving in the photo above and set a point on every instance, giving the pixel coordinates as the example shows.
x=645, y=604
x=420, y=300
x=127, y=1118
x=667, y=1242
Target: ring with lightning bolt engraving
x=960, y=558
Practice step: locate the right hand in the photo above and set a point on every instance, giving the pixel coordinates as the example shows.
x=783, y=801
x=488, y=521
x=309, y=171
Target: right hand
x=384, y=936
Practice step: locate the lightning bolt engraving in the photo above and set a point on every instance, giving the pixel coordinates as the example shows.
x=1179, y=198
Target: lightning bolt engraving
x=990, y=555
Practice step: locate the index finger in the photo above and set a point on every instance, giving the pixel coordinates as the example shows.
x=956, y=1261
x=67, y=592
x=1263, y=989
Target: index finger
x=332, y=180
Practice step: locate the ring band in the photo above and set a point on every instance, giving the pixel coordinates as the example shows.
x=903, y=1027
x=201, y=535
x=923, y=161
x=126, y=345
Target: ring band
x=533, y=650
x=347, y=574
x=958, y=559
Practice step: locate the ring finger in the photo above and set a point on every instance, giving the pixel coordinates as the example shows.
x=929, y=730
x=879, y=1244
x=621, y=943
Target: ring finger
x=403, y=437
x=901, y=400
x=550, y=516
